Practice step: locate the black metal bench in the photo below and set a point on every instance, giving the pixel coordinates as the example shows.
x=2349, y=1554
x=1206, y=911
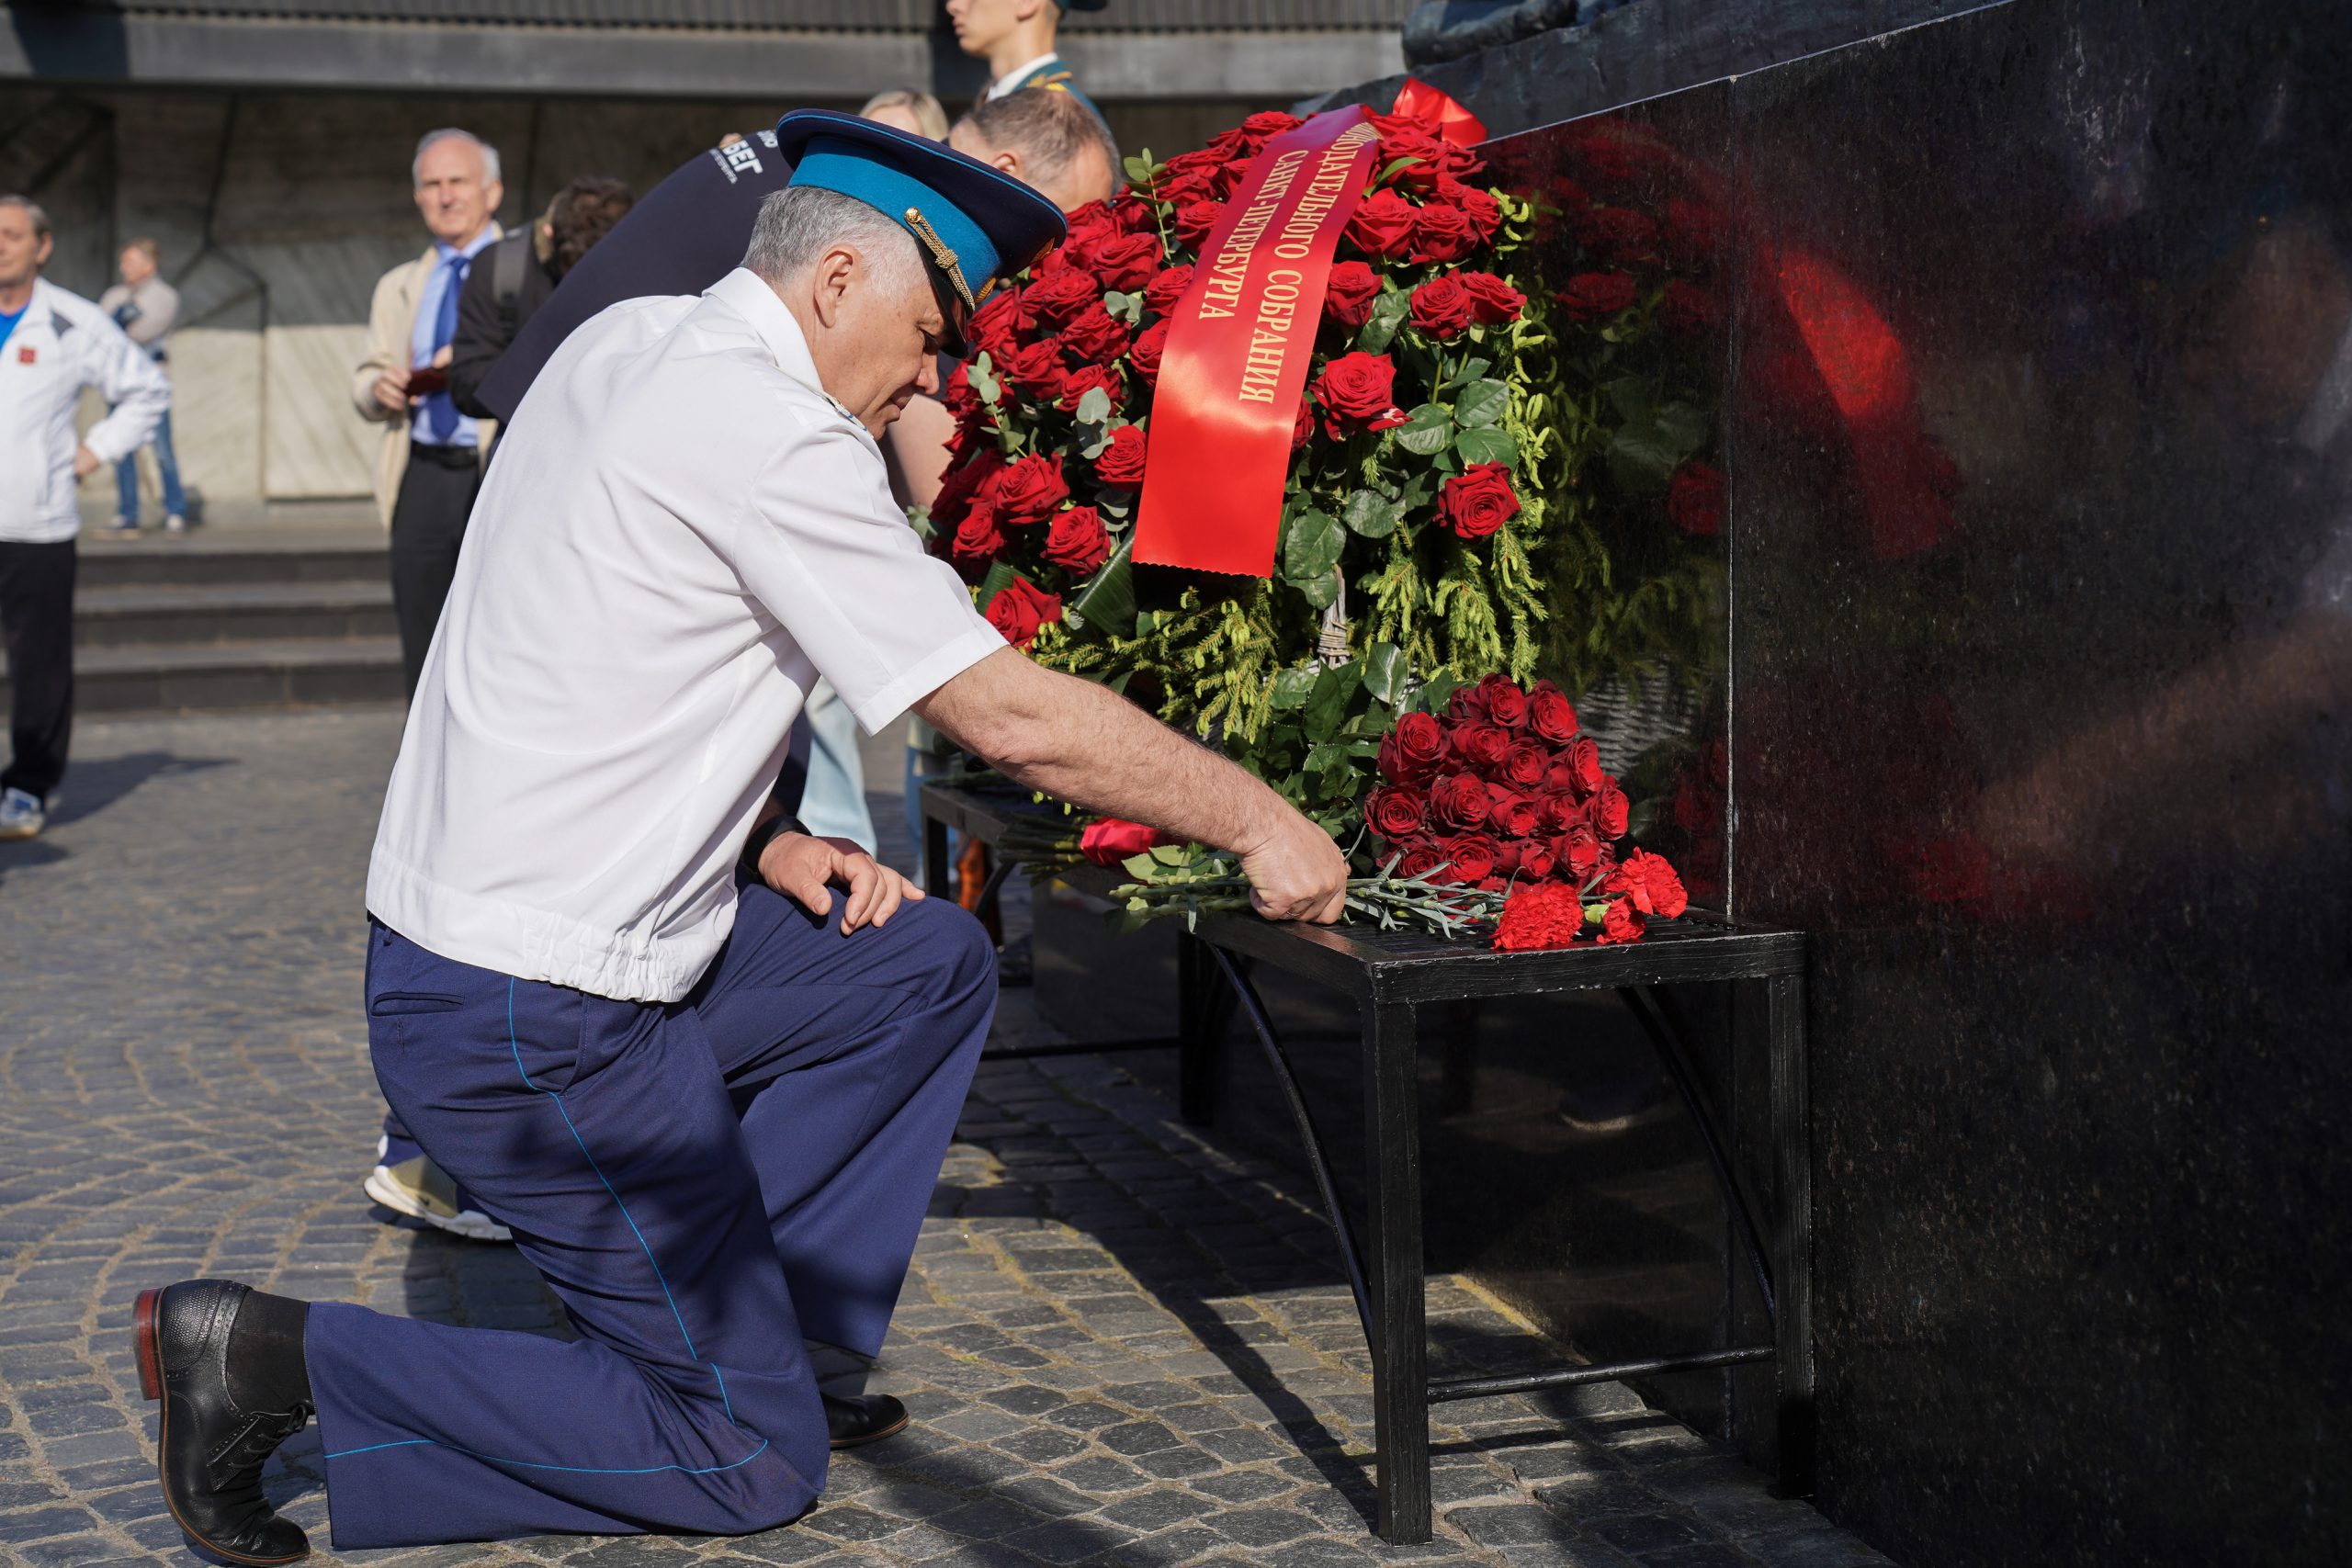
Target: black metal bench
x=1390, y=976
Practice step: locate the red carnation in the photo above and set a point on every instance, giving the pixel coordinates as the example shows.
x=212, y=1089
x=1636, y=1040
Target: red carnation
x=1030, y=491
x=1470, y=858
x=1084, y=379
x=1148, y=347
x=1442, y=308
x=1695, y=500
x=1159, y=295
x=1593, y=294
x=1459, y=800
x=1442, y=233
x=1078, y=541
x=1096, y=335
x=1495, y=301
x=1358, y=393
x=1539, y=916
x=1476, y=501
x=1382, y=225
x=1411, y=753
x=1650, y=883
x=1196, y=219
x=1019, y=608
x=1058, y=297
x=1348, y=293
x=1620, y=922
x=1504, y=704
x=1395, y=812
x=1125, y=261
x=1121, y=465
x=1550, y=715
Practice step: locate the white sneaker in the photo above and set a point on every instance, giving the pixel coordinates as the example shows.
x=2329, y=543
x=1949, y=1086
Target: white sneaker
x=121, y=525
x=422, y=1191
x=174, y=524
x=21, y=815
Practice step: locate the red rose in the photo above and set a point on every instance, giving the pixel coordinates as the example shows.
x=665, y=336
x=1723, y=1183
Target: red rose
x=1036, y=371
x=1084, y=379
x=1692, y=232
x=1593, y=294
x=965, y=484
x=1442, y=233
x=1078, y=541
x=1393, y=812
x=1030, y=491
x=1410, y=753
x=1582, y=758
x=1504, y=702
x=1267, y=124
x=1470, y=858
x=1492, y=300
x=1019, y=608
x=1196, y=219
x=1348, y=293
x=1617, y=236
x=1159, y=295
x=999, y=326
x=1695, y=500
x=1358, y=393
x=1302, y=425
x=1421, y=857
x=1121, y=465
x=1059, y=297
x=1559, y=810
x=1466, y=705
x=1650, y=883
x=1512, y=813
x=975, y=544
x=1125, y=261
x=1382, y=225
x=1523, y=766
x=1459, y=800
x=1620, y=923
x=1096, y=335
x=1480, y=746
x=1689, y=309
x=1608, y=810
x=1578, y=849
x=1476, y=501
x=1442, y=308
x=1177, y=186
x=1418, y=142
x=1483, y=211
x=1551, y=715
x=1536, y=861
x=1539, y=916
x=1148, y=347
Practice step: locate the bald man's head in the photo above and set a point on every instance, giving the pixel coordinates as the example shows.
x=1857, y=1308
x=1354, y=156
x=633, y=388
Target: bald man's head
x=1050, y=141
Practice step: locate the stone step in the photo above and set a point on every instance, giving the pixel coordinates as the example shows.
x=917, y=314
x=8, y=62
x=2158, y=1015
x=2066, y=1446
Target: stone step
x=232, y=612
x=273, y=553
x=277, y=673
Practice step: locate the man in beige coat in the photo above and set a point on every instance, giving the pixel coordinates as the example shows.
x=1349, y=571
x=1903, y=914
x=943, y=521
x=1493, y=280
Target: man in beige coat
x=430, y=466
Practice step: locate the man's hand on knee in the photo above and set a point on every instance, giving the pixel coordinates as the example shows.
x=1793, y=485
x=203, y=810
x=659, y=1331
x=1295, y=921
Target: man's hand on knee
x=805, y=869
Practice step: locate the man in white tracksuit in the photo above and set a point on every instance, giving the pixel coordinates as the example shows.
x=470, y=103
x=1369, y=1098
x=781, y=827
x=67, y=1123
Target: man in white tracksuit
x=53, y=345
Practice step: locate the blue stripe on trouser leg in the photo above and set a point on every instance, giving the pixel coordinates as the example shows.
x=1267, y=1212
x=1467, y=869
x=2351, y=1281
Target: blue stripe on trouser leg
x=638, y=1153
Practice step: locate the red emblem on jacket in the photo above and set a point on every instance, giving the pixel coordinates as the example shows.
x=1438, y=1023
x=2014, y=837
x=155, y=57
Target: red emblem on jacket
x=26, y=355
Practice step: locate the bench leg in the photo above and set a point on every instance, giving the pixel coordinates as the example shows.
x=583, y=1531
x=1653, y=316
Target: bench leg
x=1792, y=1230
x=1400, y=1337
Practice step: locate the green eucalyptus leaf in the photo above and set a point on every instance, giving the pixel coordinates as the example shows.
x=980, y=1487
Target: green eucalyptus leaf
x=1370, y=514
x=1481, y=403
x=983, y=378
x=1385, y=672
x=1094, y=407
x=1487, y=445
x=1139, y=169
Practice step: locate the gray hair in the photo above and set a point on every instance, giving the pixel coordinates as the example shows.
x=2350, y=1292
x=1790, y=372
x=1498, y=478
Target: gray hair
x=451, y=133
x=32, y=210
x=1049, y=130
x=799, y=223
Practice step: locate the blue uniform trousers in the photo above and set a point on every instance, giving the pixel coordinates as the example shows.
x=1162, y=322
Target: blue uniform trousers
x=703, y=1183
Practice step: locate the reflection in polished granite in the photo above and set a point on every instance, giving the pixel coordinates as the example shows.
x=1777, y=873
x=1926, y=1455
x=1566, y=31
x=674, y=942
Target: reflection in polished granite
x=2042, y=481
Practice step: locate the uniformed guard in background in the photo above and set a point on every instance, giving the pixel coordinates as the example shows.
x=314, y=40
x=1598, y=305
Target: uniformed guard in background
x=1016, y=39
x=702, y=1065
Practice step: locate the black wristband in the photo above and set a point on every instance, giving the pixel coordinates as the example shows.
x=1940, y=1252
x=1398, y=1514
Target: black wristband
x=766, y=833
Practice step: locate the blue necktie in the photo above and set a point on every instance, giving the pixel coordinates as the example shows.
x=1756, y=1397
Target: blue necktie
x=440, y=413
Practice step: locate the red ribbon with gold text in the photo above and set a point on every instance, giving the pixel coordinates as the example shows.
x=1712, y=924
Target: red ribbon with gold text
x=1242, y=337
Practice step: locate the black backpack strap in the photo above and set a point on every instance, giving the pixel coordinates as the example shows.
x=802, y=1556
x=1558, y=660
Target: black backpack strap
x=506, y=263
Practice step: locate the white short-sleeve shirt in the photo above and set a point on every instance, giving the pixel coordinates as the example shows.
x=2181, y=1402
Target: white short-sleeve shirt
x=679, y=533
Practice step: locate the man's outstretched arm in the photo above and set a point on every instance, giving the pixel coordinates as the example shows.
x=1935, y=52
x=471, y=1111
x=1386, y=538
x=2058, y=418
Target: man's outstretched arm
x=1084, y=744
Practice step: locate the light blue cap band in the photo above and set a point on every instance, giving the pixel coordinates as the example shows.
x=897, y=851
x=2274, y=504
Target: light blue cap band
x=833, y=163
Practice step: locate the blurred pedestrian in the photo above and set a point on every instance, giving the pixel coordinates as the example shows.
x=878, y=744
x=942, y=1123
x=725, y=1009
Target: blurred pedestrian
x=53, y=345
x=908, y=109
x=144, y=306
x=430, y=466
x=518, y=273
x=1016, y=38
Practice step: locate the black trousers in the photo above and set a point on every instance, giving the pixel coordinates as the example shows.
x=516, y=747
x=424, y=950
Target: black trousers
x=37, y=620
x=428, y=525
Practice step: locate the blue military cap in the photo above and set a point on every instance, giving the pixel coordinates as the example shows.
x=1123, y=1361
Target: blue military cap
x=975, y=225
x=1081, y=4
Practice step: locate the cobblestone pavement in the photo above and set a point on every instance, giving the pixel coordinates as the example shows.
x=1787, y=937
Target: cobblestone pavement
x=1122, y=1344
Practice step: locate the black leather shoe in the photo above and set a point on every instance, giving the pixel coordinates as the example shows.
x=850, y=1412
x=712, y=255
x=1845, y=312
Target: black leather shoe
x=209, y=1449
x=866, y=1419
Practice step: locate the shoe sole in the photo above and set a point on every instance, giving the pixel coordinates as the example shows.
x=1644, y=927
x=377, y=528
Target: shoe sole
x=398, y=1202
x=891, y=1431
x=146, y=1332
x=10, y=835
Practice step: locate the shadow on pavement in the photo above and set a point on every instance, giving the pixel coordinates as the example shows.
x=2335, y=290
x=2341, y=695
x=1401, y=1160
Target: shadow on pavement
x=90, y=787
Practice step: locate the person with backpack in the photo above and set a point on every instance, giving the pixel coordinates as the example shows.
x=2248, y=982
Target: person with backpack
x=520, y=272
